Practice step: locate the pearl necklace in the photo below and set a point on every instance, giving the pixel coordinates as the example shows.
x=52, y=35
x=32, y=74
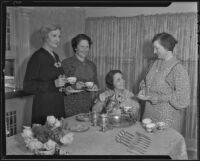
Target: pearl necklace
x=50, y=52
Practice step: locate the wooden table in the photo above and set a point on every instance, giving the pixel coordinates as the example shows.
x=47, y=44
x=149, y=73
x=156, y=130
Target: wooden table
x=95, y=142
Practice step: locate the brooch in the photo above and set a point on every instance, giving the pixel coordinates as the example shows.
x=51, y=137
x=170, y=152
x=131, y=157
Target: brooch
x=57, y=64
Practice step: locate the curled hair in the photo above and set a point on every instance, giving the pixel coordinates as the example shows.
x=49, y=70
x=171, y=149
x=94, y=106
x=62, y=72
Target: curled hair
x=109, y=78
x=48, y=28
x=76, y=40
x=166, y=40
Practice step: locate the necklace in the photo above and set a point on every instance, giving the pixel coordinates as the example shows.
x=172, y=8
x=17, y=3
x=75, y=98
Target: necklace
x=162, y=63
x=50, y=52
x=159, y=65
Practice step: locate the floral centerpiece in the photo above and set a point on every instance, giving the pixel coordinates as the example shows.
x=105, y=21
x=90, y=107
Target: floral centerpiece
x=112, y=105
x=43, y=139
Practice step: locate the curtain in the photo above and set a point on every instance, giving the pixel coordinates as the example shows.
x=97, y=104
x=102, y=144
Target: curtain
x=125, y=43
x=20, y=42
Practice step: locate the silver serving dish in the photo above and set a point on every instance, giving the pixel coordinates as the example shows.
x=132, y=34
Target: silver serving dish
x=123, y=120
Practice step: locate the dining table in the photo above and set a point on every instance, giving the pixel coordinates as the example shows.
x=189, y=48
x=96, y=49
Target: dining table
x=94, y=141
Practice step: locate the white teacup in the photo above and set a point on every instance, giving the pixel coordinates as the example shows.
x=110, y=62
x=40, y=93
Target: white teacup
x=161, y=125
x=146, y=121
x=127, y=108
x=89, y=84
x=71, y=80
x=150, y=127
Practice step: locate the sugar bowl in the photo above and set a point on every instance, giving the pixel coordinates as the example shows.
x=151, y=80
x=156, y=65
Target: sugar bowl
x=161, y=125
x=150, y=127
x=146, y=121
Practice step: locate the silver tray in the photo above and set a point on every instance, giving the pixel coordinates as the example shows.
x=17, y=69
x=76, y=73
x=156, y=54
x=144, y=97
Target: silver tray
x=122, y=120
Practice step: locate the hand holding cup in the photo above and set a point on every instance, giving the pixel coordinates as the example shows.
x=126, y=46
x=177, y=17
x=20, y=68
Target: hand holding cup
x=89, y=84
x=60, y=82
x=142, y=95
x=71, y=80
x=80, y=85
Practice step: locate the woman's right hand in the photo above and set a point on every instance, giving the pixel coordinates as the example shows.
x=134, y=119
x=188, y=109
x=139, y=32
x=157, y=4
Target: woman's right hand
x=80, y=85
x=153, y=99
x=142, y=85
x=141, y=92
x=102, y=97
x=142, y=95
x=60, y=82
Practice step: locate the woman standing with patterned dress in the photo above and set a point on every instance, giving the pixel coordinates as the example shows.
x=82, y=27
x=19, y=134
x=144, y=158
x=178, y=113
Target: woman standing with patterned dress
x=85, y=71
x=42, y=77
x=166, y=87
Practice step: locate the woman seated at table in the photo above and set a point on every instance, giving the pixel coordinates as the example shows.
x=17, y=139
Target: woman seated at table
x=116, y=99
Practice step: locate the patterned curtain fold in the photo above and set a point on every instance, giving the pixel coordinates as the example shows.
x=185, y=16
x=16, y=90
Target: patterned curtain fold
x=125, y=43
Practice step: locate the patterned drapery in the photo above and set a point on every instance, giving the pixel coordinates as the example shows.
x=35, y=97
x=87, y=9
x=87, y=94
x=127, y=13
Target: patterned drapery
x=125, y=43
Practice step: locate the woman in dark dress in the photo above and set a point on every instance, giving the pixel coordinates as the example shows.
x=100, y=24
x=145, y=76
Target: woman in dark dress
x=43, y=78
x=84, y=70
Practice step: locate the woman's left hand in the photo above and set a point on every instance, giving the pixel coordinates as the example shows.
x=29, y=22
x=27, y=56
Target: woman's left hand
x=80, y=85
x=153, y=99
x=95, y=87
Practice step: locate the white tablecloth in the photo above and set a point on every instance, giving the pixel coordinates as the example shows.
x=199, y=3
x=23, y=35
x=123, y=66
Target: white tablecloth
x=95, y=142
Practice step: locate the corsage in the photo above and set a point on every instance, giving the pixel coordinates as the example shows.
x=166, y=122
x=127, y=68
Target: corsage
x=57, y=64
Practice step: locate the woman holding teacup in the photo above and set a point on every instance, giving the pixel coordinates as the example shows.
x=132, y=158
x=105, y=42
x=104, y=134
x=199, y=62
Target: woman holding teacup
x=116, y=99
x=44, y=77
x=84, y=71
x=166, y=88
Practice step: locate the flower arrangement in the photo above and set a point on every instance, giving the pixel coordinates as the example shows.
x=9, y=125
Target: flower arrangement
x=46, y=137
